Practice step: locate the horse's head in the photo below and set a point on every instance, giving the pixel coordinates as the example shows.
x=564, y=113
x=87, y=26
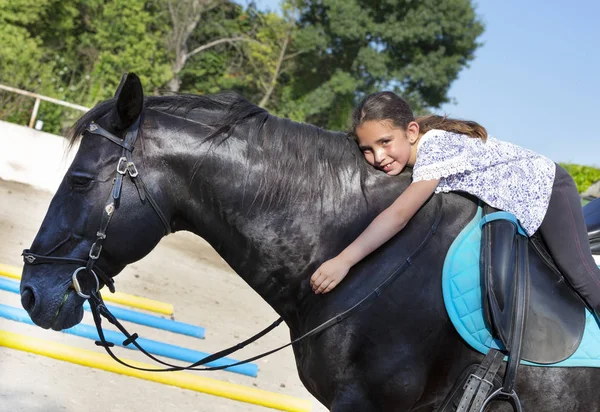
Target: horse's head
x=102, y=217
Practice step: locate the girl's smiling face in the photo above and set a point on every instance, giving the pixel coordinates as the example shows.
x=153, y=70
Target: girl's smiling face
x=386, y=147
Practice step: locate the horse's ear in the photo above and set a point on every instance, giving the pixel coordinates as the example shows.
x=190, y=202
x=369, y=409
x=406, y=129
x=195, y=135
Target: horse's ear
x=121, y=83
x=130, y=101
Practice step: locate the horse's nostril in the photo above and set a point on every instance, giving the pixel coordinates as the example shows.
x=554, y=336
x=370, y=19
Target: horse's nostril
x=27, y=299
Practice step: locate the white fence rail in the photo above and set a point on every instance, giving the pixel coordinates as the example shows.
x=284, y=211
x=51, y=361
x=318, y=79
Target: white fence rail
x=38, y=98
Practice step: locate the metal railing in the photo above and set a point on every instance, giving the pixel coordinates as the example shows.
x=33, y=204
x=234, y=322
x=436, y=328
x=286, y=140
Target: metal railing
x=38, y=98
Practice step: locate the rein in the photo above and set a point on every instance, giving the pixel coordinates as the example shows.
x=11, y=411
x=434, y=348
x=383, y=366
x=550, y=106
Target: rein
x=99, y=309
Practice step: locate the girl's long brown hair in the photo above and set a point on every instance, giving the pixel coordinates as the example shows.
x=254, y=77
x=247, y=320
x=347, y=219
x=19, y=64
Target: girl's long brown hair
x=466, y=127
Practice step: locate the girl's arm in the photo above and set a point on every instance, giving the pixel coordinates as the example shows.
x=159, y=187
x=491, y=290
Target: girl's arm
x=389, y=222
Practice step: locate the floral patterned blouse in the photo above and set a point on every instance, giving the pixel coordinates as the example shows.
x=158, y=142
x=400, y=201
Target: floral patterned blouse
x=503, y=175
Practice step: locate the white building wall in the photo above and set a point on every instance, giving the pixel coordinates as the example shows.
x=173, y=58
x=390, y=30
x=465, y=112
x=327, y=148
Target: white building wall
x=33, y=157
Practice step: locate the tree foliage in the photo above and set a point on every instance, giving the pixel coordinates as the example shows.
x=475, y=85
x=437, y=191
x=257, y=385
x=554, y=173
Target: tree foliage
x=23, y=60
x=584, y=176
x=416, y=48
x=311, y=63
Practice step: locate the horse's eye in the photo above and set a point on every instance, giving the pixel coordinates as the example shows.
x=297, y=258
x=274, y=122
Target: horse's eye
x=78, y=181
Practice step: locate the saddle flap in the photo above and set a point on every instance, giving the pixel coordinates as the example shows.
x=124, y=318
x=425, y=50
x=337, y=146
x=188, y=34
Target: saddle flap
x=498, y=265
x=555, y=318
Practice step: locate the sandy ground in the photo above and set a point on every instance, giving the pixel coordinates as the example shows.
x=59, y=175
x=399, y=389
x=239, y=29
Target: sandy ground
x=183, y=270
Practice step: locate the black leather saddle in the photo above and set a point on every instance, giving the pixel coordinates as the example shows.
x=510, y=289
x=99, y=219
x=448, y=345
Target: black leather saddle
x=521, y=284
x=591, y=214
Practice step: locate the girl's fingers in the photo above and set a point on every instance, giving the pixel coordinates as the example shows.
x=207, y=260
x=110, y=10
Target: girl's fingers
x=314, y=278
x=330, y=287
x=317, y=280
x=324, y=285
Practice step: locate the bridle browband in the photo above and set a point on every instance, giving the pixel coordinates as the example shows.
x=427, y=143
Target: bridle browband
x=99, y=309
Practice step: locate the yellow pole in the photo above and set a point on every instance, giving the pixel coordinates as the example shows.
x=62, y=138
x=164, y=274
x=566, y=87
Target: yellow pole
x=117, y=297
x=179, y=379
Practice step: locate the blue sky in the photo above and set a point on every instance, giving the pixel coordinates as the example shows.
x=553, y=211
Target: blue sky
x=536, y=79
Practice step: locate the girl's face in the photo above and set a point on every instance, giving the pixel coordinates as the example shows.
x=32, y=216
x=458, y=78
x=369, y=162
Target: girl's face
x=386, y=147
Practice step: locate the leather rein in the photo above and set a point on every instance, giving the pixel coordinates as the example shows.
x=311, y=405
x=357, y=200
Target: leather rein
x=126, y=166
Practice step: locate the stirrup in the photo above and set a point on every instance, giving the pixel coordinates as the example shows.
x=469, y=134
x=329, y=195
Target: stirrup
x=516, y=402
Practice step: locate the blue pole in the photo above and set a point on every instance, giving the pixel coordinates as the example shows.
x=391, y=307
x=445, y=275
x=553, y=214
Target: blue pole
x=130, y=315
x=152, y=346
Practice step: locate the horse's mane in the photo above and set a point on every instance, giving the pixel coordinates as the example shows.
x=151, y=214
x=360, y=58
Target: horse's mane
x=301, y=159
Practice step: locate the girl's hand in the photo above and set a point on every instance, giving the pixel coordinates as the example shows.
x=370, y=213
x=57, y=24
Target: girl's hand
x=329, y=275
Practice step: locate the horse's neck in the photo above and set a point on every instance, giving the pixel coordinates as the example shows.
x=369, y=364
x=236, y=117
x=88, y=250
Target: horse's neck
x=274, y=247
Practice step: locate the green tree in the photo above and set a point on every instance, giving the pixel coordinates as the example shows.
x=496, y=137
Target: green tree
x=185, y=15
x=214, y=60
x=416, y=48
x=23, y=63
x=128, y=36
x=259, y=64
x=77, y=50
x=240, y=49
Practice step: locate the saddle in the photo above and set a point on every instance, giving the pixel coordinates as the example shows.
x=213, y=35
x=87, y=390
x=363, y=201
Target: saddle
x=527, y=305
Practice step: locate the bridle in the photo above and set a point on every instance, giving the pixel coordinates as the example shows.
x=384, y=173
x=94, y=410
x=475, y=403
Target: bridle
x=125, y=166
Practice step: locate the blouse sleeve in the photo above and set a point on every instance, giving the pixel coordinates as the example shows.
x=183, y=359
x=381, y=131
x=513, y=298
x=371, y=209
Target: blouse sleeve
x=441, y=154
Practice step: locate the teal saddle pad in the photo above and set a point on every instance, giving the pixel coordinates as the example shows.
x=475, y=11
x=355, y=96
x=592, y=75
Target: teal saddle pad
x=461, y=287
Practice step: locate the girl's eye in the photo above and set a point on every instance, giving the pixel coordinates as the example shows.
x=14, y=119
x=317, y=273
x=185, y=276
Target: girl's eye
x=386, y=142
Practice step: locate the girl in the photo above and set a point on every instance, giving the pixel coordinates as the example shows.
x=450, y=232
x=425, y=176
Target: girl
x=451, y=155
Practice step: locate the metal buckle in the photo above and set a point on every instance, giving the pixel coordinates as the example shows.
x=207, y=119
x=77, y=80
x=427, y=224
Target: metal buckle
x=92, y=255
x=29, y=258
x=133, y=172
x=482, y=381
x=122, y=166
x=77, y=286
x=109, y=209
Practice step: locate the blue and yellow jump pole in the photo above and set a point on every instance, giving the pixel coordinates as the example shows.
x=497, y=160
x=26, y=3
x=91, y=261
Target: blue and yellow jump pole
x=152, y=346
x=178, y=379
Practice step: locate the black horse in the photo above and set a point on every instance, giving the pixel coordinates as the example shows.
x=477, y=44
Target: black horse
x=276, y=198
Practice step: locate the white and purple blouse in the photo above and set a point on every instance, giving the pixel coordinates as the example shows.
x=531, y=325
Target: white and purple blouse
x=503, y=175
